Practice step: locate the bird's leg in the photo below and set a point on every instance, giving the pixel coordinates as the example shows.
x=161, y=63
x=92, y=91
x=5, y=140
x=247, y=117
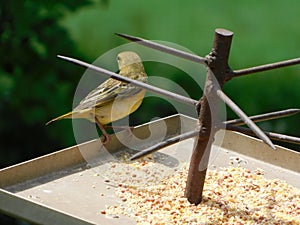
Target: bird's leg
x=104, y=133
x=128, y=128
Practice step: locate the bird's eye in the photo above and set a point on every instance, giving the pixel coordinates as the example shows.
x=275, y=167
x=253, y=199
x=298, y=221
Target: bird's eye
x=118, y=58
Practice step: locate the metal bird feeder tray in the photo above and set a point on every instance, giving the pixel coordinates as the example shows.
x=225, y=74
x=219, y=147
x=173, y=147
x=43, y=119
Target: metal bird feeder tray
x=64, y=188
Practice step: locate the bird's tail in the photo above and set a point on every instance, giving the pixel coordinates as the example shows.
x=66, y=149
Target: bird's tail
x=65, y=116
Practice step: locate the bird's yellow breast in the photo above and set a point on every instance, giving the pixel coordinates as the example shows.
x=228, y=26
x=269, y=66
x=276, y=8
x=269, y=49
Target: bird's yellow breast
x=119, y=108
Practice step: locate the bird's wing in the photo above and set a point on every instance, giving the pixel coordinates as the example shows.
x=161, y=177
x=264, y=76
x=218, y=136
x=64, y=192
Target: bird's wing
x=102, y=94
x=106, y=92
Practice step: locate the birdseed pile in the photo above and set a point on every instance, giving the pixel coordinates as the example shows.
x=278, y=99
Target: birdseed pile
x=232, y=195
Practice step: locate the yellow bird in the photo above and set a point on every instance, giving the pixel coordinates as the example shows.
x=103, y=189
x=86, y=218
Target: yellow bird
x=113, y=99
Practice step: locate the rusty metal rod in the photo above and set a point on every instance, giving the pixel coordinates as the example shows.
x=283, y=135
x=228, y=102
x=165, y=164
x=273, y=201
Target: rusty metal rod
x=274, y=136
x=245, y=118
x=119, y=77
x=266, y=67
x=265, y=116
x=216, y=76
x=166, y=49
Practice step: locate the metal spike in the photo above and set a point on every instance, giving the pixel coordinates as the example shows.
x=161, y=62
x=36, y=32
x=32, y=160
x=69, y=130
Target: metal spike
x=266, y=116
x=230, y=125
x=274, y=136
x=165, y=143
x=166, y=49
x=134, y=82
x=245, y=118
x=266, y=67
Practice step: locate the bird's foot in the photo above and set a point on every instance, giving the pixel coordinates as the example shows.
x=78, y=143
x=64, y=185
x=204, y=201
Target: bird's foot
x=105, y=139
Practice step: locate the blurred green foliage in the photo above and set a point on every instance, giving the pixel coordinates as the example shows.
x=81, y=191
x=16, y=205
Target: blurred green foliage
x=35, y=86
